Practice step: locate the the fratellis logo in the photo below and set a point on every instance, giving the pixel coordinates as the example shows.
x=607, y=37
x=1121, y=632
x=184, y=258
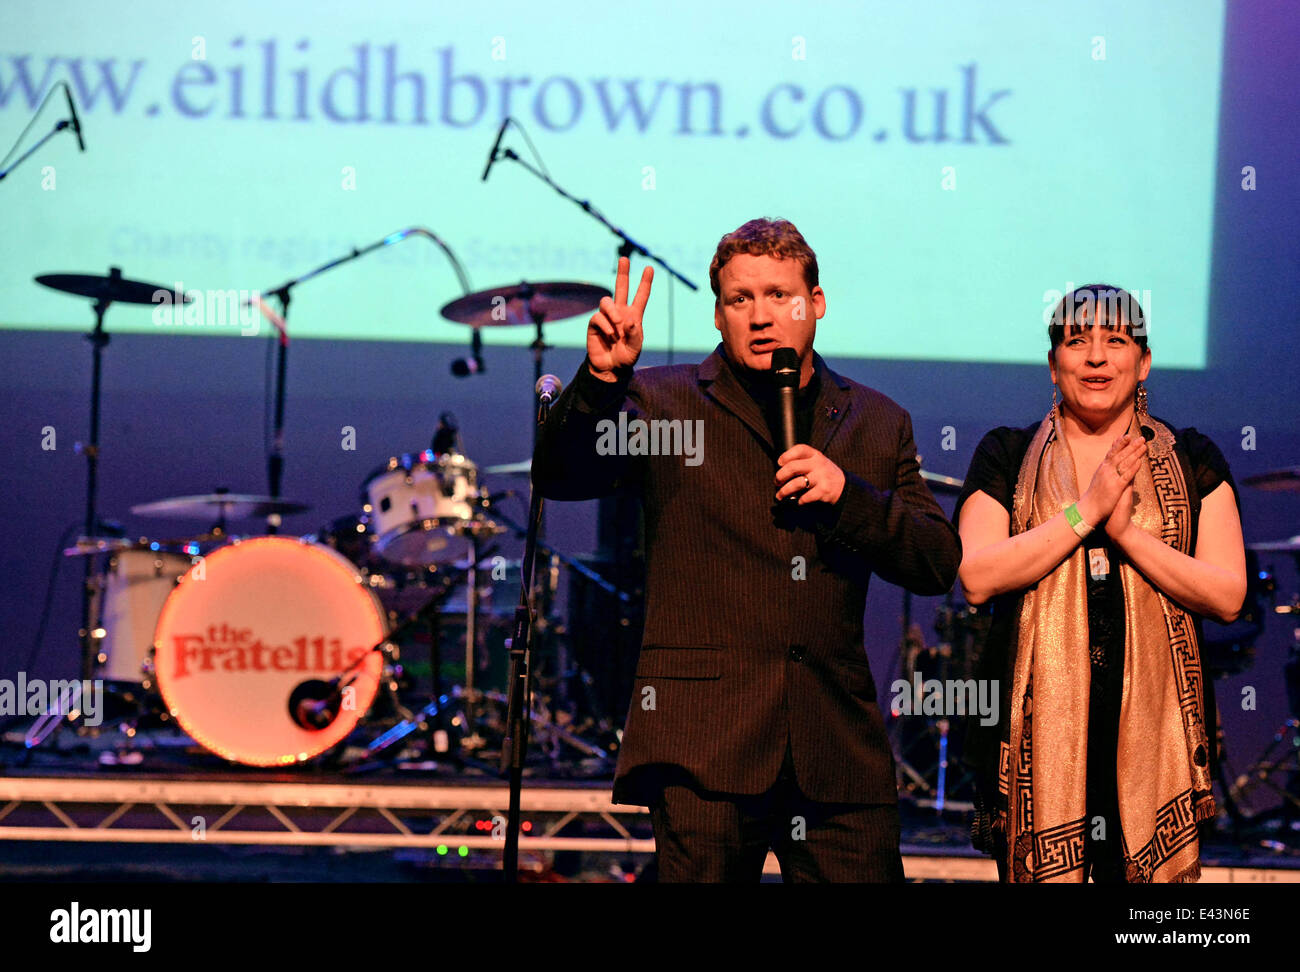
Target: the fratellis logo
x=656, y=437
x=91, y=925
x=233, y=649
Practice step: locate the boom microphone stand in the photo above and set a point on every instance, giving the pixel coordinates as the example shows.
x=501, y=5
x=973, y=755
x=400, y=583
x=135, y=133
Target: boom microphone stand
x=275, y=462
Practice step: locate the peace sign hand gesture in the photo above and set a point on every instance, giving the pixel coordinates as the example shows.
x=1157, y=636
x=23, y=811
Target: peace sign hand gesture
x=614, y=334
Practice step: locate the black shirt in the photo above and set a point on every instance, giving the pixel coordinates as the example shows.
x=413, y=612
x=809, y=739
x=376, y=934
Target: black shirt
x=994, y=469
x=763, y=391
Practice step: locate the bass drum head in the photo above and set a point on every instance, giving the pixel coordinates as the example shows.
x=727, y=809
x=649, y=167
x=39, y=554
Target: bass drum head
x=250, y=623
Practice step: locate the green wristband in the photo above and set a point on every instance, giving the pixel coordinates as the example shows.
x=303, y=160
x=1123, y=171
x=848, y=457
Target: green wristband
x=1075, y=519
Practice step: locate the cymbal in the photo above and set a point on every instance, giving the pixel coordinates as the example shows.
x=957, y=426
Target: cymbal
x=97, y=545
x=230, y=506
x=549, y=301
x=89, y=546
x=942, y=484
x=511, y=468
x=117, y=290
x=1276, y=480
x=1289, y=545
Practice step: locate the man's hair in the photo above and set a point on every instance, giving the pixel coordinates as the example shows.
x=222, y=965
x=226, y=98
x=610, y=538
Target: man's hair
x=1104, y=304
x=764, y=237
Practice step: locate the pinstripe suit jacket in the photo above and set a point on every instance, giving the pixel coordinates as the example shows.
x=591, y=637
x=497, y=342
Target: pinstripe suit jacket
x=754, y=616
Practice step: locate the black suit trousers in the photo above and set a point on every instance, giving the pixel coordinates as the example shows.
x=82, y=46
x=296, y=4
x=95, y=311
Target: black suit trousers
x=702, y=836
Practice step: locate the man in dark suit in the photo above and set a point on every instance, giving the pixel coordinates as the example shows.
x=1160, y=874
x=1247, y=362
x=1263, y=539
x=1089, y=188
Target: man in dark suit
x=753, y=721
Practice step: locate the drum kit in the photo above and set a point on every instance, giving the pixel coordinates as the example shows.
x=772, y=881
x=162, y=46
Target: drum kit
x=271, y=650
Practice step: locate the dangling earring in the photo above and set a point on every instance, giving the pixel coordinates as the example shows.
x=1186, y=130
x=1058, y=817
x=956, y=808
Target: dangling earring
x=1053, y=396
x=1140, y=400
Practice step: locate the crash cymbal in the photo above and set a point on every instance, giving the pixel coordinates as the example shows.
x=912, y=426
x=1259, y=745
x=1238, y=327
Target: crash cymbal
x=1276, y=480
x=1289, y=545
x=228, y=506
x=942, y=484
x=115, y=289
x=524, y=303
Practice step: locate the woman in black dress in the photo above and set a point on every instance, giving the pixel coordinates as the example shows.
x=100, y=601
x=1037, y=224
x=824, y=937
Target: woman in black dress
x=1100, y=764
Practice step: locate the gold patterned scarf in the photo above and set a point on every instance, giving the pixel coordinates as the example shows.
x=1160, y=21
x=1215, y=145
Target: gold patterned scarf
x=1163, y=757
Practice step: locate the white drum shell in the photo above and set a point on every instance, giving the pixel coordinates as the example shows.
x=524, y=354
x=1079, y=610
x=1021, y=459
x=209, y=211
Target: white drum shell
x=421, y=509
x=136, y=584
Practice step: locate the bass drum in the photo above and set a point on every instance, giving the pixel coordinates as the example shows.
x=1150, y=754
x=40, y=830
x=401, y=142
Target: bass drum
x=246, y=627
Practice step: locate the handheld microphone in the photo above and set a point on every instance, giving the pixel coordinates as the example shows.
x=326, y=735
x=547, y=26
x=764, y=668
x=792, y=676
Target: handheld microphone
x=785, y=376
x=548, y=389
x=76, y=122
x=492, y=156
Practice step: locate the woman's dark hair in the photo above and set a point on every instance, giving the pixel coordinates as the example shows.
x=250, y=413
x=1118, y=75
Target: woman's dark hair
x=1105, y=304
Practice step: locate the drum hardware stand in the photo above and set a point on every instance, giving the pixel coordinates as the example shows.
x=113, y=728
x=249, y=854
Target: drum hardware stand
x=1235, y=816
x=275, y=461
x=1286, y=738
x=1259, y=773
x=938, y=730
x=911, y=644
x=426, y=614
x=98, y=341
x=545, y=624
x=104, y=291
x=471, y=740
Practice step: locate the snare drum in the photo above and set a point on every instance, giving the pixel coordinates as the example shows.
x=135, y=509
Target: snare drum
x=422, y=508
x=237, y=639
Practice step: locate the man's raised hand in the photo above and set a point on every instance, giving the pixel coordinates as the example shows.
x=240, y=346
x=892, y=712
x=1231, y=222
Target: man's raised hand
x=614, y=333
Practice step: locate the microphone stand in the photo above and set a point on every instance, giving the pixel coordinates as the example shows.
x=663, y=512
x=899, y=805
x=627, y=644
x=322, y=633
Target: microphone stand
x=627, y=245
x=275, y=462
x=514, y=748
x=60, y=126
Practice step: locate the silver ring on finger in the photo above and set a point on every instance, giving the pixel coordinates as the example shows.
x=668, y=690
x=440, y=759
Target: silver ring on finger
x=807, y=483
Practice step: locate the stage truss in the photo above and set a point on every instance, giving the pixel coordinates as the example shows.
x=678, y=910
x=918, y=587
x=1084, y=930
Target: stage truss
x=454, y=821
